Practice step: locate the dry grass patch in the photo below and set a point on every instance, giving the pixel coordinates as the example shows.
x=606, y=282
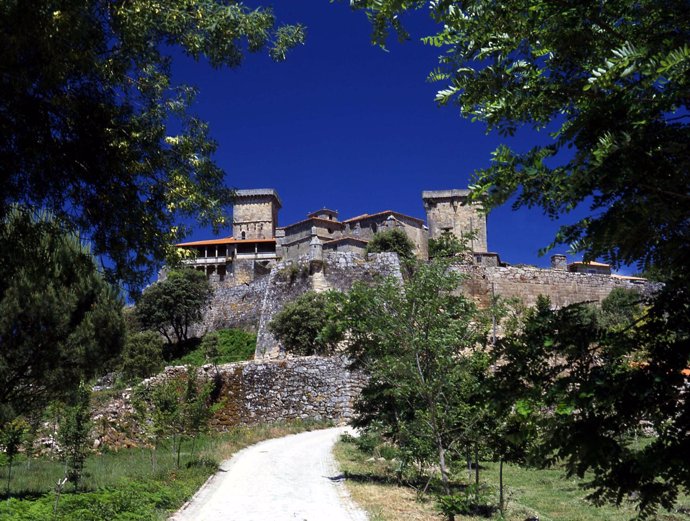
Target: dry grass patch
x=369, y=483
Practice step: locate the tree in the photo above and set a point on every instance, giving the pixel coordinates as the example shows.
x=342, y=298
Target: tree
x=96, y=131
x=174, y=304
x=303, y=325
x=422, y=347
x=448, y=245
x=11, y=438
x=60, y=322
x=142, y=355
x=620, y=381
x=394, y=240
x=74, y=435
x=610, y=82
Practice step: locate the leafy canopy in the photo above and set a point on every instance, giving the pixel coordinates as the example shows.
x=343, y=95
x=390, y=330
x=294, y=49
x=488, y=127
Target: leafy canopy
x=612, y=357
x=142, y=355
x=421, y=344
x=394, y=240
x=448, y=245
x=60, y=322
x=95, y=129
x=610, y=82
x=172, y=305
x=303, y=326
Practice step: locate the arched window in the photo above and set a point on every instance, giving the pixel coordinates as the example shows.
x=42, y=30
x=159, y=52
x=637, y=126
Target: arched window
x=244, y=235
x=374, y=228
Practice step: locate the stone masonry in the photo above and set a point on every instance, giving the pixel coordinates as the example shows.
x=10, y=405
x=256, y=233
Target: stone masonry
x=320, y=272
x=527, y=283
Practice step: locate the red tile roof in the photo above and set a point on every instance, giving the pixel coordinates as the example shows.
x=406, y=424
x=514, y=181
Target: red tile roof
x=391, y=212
x=226, y=240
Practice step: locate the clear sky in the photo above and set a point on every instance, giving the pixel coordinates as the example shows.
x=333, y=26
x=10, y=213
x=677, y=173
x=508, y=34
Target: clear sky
x=345, y=125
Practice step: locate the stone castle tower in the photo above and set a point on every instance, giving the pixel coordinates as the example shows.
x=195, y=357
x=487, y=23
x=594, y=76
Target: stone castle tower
x=255, y=214
x=451, y=211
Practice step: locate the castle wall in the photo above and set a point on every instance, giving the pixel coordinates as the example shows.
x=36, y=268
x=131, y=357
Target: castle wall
x=307, y=388
x=290, y=279
x=233, y=306
x=527, y=283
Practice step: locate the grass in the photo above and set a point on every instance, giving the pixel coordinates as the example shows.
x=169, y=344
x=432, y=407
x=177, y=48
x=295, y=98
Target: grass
x=543, y=493
x=122, y=485
x=234, y=345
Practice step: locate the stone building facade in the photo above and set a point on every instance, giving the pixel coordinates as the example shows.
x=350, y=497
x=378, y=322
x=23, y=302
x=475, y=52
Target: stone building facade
x=257, y=242
x=451, y=211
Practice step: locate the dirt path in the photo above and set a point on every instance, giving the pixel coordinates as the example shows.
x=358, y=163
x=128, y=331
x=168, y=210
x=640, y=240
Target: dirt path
x=294, y=478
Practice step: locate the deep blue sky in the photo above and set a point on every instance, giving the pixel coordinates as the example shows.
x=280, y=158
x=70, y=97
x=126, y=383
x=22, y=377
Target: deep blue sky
x=346, y=125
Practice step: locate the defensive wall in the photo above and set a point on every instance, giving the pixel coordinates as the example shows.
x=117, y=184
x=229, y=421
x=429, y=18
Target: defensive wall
x=276, y=387
x=268, y=391
x=320, y=272
x=527, y=283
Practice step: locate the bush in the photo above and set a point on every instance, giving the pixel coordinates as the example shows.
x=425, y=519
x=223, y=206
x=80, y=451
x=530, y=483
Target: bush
x=395, y=241
x=303, y=326
x=448, y=245
x=142, y=355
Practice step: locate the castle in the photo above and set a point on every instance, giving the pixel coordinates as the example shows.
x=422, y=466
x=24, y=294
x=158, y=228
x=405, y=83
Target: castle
x=262, y=266
x=257, y=242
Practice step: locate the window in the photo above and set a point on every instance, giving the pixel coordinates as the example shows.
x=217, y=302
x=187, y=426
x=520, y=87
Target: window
x=374, y=228
x=244, y=235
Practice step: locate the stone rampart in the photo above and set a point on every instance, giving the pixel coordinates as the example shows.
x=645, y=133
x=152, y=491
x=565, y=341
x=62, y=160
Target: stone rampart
x=233, y=306
x=337, y=271
x=527, y=283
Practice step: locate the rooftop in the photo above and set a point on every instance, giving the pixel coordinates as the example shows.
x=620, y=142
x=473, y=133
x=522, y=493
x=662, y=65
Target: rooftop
x=259, y=192
x=379, y=214
x=445, y=194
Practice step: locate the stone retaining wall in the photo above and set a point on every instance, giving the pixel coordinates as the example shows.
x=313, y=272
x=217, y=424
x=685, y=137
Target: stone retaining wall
x=307, y=388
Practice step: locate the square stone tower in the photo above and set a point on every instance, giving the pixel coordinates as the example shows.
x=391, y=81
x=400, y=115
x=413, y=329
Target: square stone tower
x=255, y=214
x=451, y=211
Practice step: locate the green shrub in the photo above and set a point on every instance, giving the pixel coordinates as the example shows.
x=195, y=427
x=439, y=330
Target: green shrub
x=142, y=355
x=303, y=326
x=448, y=245
x=395, y=241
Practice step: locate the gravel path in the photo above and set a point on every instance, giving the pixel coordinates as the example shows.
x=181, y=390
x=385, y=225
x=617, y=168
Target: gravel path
x=294, y=478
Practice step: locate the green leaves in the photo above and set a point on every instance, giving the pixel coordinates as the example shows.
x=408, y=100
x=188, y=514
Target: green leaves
x=59, y=321
x=309, y=324
x=88, y=107
x=172, y=305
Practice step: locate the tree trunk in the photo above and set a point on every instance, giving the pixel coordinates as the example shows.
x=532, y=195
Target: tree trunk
x=501, y=506
x=476, y=466
x=9, y=475
x=442, y=464
x=179, y=449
